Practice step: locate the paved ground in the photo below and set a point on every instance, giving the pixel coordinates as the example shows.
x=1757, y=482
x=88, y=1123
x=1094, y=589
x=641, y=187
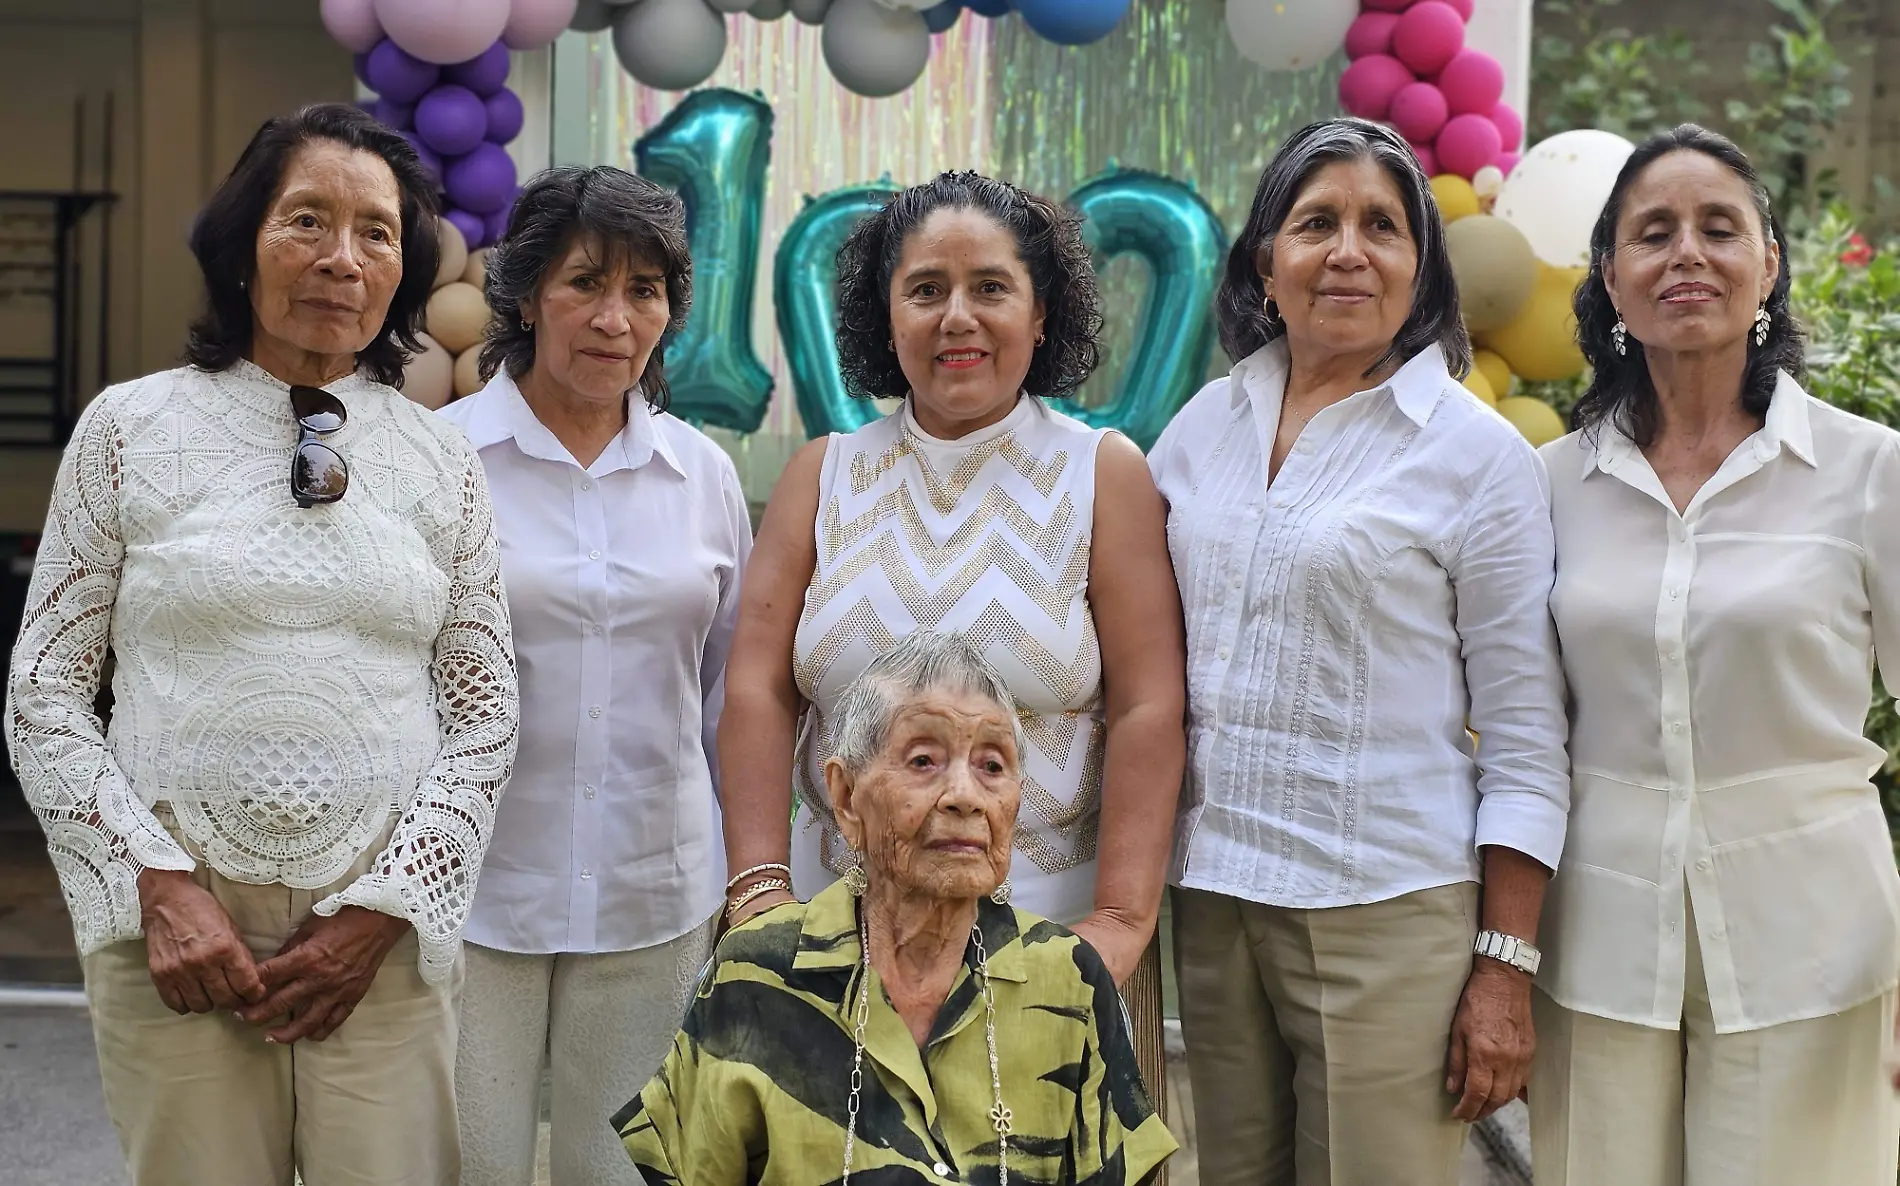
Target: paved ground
x=54, y=1131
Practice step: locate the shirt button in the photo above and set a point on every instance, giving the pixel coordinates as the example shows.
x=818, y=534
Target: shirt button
x=587, y=874
x=1669, y=656
x=1704, y=864
x=594, y=712
x=596, y=627
x=1223, y=654
x=587, y=485
x=1675, y=592
x=1675, y=726
x=588, y=790
x=1678, y=792
x=594, y=555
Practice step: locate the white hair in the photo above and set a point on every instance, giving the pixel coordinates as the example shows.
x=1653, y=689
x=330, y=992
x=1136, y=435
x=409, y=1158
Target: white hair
x=923, y=662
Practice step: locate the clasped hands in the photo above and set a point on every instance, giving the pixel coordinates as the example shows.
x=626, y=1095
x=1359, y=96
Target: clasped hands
x=200, y=963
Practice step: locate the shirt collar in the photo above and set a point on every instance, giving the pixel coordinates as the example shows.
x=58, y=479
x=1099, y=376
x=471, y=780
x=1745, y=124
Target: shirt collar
x=1416, y=386
x=500, y=413
x=828, y=938
x=1786, y=426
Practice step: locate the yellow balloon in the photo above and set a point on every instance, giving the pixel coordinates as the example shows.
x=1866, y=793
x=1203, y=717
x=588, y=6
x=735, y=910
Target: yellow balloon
x=1456, y=198
x=1496, y=372
x=457, y=315
x=1481, y=387
x=1537, y=420
x=1540, y=343
x=468, y=376
x=1495, y=269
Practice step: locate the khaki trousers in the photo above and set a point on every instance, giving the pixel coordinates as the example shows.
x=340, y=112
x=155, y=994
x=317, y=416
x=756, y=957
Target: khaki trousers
x=602, y=1023
x=203, y=1100
x=1804, y=1103
x=1317, y=1039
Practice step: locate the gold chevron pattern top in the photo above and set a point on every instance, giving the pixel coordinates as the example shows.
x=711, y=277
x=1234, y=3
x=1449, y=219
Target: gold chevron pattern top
x=987, y=536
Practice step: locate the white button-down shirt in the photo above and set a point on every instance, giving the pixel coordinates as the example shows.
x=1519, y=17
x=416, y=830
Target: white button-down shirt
x=1719, y=663
x=1344, y=623
x=623, y=583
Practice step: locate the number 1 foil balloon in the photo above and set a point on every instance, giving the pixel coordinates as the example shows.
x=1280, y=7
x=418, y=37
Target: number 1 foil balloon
x=804, y=288
x=713, y=149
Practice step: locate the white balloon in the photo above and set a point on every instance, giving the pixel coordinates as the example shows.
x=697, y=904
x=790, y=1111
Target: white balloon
x=591, y=16
x=1557, y=191
x=1289, y=34
x=809, y=12
x=873, y=50
x=769, y=10
x=671, y=45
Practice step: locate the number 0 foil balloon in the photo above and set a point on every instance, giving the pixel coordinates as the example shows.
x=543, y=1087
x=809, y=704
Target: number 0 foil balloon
x=713, y=148
x=804, y=288
x=1176, y=233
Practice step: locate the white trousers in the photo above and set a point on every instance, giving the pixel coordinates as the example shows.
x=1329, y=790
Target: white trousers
x=601, y=1023
x=1804, y=1103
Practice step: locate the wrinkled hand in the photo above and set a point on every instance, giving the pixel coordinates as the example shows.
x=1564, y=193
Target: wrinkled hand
x=197, y=958
x=1491, y=1041
x=752, y=910
x=320, y=973
x=1120, y=943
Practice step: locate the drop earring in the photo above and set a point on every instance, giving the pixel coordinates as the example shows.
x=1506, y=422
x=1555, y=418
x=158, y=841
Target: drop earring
x=855, y=878
x=1763, y=319
x=1619, y=338
x=1002, y=893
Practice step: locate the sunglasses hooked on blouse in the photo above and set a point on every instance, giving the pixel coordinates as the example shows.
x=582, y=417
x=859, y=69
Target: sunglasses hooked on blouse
x=318, y=472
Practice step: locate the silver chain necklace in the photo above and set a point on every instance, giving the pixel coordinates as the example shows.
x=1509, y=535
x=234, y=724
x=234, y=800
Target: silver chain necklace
x=1000, y=1117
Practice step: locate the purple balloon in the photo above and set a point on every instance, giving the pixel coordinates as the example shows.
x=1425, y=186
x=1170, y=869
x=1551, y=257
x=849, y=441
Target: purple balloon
x=393, y=74
x=483, y=181
x=430, y=161
x=495, y=226
x=398, y=117
x=485, y=74
x=451, y=120
x=474, y=230
x=505, y=116
x=360, y=62
x=942, y=16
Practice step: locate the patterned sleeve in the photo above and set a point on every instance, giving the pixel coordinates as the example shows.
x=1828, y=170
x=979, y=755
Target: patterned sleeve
x=100, y=835
x=427, y=873
x=1117, y=1138
x=695, y=1123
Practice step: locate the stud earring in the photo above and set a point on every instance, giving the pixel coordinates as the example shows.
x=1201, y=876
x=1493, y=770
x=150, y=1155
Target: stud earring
x=1763, y=319
x=1619, y=337
x=1002, y=893
x=1040, y=339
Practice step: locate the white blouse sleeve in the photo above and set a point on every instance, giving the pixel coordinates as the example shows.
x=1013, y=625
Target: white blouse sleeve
x=1502, y=576
x=1882, y=533
x=100, y=835
x=712, y=661
x=427, y=873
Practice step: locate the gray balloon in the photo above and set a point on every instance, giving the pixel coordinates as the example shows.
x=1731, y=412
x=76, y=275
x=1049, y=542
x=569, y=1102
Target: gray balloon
x=769, y=10
x=591, y=16
x=873, y=50
x=809, y=12
x=671, y=45
x=733, y=6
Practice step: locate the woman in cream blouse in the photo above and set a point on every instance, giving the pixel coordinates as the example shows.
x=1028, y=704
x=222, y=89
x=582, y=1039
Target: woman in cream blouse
x=1723, y=931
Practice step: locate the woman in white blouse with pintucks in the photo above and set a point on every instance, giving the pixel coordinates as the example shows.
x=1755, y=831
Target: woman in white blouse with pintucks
x=1724, y=931
x=623, y=536
x=315, y=702
x=1364, y=554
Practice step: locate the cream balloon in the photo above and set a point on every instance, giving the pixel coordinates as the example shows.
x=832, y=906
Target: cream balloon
x=1556, y=192
x=872, y=50
x=429, y=379
x=1289, y=34
x=1495, y=269
x=468, y=375
x=670, y=45
x=457, y=314
x=476, y=272
x=1487, y=181
x=451, y=253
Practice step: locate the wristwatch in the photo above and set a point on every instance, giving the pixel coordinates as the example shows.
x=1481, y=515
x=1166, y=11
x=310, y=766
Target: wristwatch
x=1509, y=949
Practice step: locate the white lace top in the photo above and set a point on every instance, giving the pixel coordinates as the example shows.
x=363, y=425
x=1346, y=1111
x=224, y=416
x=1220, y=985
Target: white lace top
x=286, y=678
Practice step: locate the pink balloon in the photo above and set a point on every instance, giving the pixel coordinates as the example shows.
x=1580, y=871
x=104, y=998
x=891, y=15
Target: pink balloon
x=1419, y=112
x=1468, y=143
x=352, y=23
x=1464, y=8
x=1367, y=86
x=443, y=31
x=1427, y=159
x=535, y=23
x=1370, y=33
x=1473, y=82
x=1429, y=35
x=1385, y=5
x=1507, y=161
x=1510, y=126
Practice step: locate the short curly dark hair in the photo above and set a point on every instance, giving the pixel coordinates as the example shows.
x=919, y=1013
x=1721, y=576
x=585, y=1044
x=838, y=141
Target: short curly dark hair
x=1621, y=392
x=224, y=237
x=1048, y=241
x=626, y=215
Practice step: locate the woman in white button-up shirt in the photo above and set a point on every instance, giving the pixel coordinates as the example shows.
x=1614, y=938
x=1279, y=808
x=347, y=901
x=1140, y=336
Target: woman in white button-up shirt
x=623, y=534
x=1364, y=555
x=1724, y=931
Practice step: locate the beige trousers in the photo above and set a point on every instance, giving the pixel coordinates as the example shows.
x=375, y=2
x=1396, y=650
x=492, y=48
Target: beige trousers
x=1317, y=1039
x=1804, y=1103
x=203, y=1100
x=602, y=1023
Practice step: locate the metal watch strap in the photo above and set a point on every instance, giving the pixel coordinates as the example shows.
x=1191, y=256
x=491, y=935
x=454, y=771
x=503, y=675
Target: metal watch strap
x=1508, y=949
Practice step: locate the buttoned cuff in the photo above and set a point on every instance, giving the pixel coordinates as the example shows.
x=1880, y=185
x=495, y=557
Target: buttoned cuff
x=1525, y=821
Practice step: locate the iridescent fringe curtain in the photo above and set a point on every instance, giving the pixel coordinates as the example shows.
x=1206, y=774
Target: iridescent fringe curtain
x=1166, y=91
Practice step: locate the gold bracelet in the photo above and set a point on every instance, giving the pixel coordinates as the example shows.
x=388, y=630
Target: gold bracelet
x=768, y=867
x=769, y=885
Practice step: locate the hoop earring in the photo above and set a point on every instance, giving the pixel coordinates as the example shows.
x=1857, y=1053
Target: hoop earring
x=1619, y=337
x=527, y=326
x=1040, y=339
x=1272, y=313
x=1763, y=319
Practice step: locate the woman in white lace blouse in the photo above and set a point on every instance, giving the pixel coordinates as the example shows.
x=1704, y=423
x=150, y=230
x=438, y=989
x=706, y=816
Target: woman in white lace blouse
x=270, y=852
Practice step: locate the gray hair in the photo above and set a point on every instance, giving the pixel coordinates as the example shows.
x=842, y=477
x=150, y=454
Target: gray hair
x=924, y=662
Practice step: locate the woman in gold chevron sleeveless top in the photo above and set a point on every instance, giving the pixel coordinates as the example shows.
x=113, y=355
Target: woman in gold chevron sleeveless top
x=976, y=508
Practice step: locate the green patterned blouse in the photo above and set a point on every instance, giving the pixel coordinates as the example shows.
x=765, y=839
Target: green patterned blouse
x=757, y=1086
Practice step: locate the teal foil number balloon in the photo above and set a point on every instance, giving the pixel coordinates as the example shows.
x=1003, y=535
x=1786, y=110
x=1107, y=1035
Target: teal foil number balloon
x=713, y=149
x=1164, y=223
